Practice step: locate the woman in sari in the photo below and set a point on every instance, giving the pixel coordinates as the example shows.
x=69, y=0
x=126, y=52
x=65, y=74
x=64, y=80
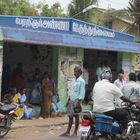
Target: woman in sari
x=47, y=93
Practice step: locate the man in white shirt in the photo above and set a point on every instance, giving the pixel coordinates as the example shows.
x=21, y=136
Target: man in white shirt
x=104, y=93
x=119, y=83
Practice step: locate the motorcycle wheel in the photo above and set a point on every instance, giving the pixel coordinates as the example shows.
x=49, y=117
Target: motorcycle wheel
x=83, y=138
x=92, y=136
x=134, y=133
x=3, y=131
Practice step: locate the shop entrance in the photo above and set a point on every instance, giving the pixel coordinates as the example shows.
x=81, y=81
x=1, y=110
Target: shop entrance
x=93, y=58
x=29, y=57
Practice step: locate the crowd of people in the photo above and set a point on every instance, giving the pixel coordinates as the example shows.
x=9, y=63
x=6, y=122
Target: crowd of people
x=107, y=96
x=42, y=92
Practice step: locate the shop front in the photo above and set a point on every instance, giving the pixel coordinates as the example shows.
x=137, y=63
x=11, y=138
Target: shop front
x=58, y=45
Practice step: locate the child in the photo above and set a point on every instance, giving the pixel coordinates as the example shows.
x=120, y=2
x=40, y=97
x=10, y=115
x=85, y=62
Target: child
x=56, y=104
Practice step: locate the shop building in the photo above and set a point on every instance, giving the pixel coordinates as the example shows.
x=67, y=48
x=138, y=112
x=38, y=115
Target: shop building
x=57, y=45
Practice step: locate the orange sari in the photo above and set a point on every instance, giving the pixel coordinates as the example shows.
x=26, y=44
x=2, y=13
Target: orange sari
x=47, y=99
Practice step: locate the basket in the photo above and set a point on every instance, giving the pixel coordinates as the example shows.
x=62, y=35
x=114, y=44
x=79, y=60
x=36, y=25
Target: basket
x=103, y=123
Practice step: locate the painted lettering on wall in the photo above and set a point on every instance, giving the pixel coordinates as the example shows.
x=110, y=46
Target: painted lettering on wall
x=84, y=29
x=43, y=23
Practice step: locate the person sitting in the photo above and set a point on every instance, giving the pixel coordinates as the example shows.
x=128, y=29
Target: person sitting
x=104, y=93
x=15, y=99
x=56, y=105
x=27, y=108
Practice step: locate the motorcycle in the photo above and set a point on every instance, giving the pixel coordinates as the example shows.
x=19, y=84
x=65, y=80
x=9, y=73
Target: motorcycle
x=101, y=127
x=7, y=117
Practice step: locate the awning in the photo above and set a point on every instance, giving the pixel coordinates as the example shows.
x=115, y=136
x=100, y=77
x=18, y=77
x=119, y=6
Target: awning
x=69, y=40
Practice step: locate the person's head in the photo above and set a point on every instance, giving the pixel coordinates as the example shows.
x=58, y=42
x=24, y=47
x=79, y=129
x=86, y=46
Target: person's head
x=106, y=75
x=120, y=76
x=62, y=65
x=132, y=77
x=22, y=91
x=105, y=63
x=138, y=76
x=77, y=71
x=9, y=98
x=46, y=75
x=121, y=71
x=13, y=91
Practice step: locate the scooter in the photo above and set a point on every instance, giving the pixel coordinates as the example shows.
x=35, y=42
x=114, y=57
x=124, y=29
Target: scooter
x=101, y=127
x=7, y=116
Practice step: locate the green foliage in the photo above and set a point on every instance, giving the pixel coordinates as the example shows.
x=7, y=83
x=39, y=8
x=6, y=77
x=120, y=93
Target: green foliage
x=77, y=6
x=134, y=8
x=122, y=13
x=54, y=11
x=17, y=7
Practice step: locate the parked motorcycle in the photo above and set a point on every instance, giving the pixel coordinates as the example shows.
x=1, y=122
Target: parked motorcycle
x=7, y=116
x=101, y=127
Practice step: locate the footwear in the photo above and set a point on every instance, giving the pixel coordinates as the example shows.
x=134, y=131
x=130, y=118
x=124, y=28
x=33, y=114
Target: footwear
x=65, y=135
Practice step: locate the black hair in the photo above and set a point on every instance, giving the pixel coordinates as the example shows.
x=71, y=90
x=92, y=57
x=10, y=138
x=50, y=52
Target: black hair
x=121, y=71
x=138, y=76
x=132, y=77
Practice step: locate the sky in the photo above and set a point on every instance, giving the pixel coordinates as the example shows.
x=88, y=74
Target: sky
x=117, y=4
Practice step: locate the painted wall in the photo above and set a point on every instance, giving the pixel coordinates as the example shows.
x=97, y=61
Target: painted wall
x=66, y=57
x=1, y=59
x=1, y=65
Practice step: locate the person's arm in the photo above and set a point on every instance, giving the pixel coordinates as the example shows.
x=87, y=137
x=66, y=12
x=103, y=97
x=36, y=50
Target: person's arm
x=67, y=101
x=82, y=91
x=125, y=99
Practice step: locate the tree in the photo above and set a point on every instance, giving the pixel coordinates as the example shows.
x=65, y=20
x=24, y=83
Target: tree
x=135, y=12
x=17, y=7
x=77, y=6
x=54, y=11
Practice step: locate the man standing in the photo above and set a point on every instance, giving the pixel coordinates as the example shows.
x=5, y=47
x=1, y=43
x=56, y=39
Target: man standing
x=119, y=82
x=74, y=101
x=104, y=93
x=132, y=90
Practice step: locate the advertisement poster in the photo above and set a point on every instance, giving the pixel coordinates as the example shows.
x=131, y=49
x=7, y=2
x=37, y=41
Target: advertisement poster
x=126, y=66
x=71, y=65
x=138, y=63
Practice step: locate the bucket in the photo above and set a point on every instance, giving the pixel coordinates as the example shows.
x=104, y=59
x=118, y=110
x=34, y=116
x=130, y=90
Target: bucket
x=103, y=123
x=115, y=128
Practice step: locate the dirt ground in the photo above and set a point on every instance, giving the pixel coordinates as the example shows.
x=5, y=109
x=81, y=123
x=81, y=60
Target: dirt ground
x=29, y=133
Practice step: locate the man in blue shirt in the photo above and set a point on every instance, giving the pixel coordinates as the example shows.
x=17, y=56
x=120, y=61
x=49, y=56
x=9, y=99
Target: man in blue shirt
x=75, y=100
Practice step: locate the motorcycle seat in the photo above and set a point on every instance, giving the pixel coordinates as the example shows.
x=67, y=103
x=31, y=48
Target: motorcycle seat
x=6, y=108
